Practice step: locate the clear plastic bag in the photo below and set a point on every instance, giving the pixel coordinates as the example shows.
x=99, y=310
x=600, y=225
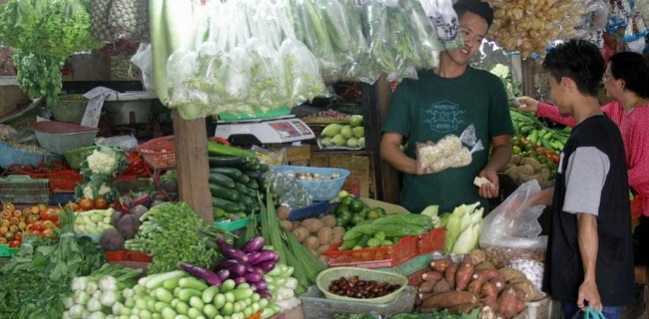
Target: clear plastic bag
x=449, y=152
x=514, y=223
x=143, y=58
x=443, y=17
x=125, y=142
x=288, y=189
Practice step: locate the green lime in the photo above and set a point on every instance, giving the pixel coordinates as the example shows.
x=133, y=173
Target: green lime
x=340, y=222
x=356, y=206
x=340, y=210
x=356, y=219
x=346, y=217
x=516, y=149
x=381, y=211
x=347, y=200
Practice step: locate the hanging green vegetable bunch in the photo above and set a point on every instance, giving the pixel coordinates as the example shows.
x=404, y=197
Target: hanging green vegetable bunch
x=52, y=28
x=45, y=33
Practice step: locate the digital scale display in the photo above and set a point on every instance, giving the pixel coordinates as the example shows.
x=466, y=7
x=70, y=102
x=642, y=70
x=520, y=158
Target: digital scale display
x=273, y=131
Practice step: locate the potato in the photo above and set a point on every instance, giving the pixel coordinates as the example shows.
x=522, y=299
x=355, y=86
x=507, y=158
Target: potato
x=312, y=224
x=312, y=243
x=283, y=212
x=287, y=224
x=337, y=238
x=313, y=252
x=324, y=259
x=339, y=230
x=301, y=233
x=513, y=172
x=329, y=221
x=526, y=169
x=322, y=249
x=532, y=162
x=325, y=235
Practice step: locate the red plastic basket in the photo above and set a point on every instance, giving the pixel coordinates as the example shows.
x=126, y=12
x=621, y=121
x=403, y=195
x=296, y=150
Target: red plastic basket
x=64, y=182
x=159, y=153
x=432, y=241
x=382, y=257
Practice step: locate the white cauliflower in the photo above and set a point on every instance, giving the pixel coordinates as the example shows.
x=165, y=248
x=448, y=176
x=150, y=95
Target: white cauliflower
x=500, y=70
x=90, y=191
x=102, y=162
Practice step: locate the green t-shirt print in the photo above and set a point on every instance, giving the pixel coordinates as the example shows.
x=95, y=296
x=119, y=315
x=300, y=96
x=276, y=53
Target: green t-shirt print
x=432, y=107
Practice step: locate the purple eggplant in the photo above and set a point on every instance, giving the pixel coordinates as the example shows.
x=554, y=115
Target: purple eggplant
x=253, y=286
x=223, y=274
x=230, y=252
x=258, y=270
x=209, y=276
x=253, y=277
x=267, y=266
x=228, y=263
x=253, y=256
x=239, y=280
x=262, y=284
x=265, y=293
x=264, y=256
x=254, y=244
x=237, y=270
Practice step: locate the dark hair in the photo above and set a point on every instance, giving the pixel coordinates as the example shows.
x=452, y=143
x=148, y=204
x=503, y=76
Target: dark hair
x=633, y=68
x=579, y=60
x=477, y=7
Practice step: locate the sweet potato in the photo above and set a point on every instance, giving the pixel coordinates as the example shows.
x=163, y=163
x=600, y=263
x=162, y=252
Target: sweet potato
x=432, y=275
x=427, y=286
x=449, y=274
x=488, y=290
x=491, y=302
x=441, y=286
x=448, y=299
x=474, y=286
x=486, y=274
x=484, y=265
x=478, y=256
x=499, y=283
x=509, y=273
x=531, y=294
x=441, y=265
x=464, y=273
x=507, y=304
x=463, y=308
x=517, y=280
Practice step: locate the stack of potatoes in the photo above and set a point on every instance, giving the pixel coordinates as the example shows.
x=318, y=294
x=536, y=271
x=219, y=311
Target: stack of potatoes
x=525, y=169
x=316, y=234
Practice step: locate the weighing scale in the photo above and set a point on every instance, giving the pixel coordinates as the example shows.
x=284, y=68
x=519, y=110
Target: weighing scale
x=260, y=131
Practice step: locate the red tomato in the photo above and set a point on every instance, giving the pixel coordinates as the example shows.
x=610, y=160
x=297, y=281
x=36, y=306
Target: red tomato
x=36, y=233
x=14, y=244
x=57, y=223
x=75, y=207
x=86, y=204
x=101, y=203
x=18, y=236
x=46, y=214
x=37, y=225
x=48, y=224
x=49, y=233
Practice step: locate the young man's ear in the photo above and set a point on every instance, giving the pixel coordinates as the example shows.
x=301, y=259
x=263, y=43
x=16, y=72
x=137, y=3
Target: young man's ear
x=568, y=84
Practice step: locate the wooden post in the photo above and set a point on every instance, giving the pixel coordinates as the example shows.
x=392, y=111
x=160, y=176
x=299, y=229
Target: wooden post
x=391, y=176
x=193, y=168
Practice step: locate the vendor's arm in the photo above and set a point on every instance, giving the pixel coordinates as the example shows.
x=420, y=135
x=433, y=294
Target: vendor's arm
x=588, y=248
x=500, y=155
x=391, y=153
x=544, y=197
x=542, y=109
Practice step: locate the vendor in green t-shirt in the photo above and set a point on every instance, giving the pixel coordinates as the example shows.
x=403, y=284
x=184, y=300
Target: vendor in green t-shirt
x=446, y=101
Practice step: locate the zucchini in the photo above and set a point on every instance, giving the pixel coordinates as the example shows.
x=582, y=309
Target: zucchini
x=221, y=180
x=216, y=149
x=241, y=188
x=263, y=167
x=253, y=184
x=254, y=175
x=226, y=161
x=246, y=200
x=232, y=172
x=243, y=179
x=227, y=205
x=224, y=192
x=252, y=193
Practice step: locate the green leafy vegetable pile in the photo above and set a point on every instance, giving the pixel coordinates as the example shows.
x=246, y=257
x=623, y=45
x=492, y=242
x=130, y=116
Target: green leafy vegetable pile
x=39, y=75
x=172, y=233
x=34, y=283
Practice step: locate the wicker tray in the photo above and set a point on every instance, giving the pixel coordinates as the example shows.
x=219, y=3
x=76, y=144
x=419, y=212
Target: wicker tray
x=325, y=278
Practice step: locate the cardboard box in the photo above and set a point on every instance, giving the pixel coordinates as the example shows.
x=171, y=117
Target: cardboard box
x=389, y=208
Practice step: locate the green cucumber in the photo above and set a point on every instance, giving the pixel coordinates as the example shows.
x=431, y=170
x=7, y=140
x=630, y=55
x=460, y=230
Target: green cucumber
x=255, y=175
x=232, y=172
x=221, y=180
x=226, y=161
x=241, y=188
x=227, y=205
x=224, y=192
x=253, y=184
x=244, y=179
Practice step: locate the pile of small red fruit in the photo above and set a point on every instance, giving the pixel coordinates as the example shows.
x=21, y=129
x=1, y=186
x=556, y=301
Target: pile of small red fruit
x=38, y=220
